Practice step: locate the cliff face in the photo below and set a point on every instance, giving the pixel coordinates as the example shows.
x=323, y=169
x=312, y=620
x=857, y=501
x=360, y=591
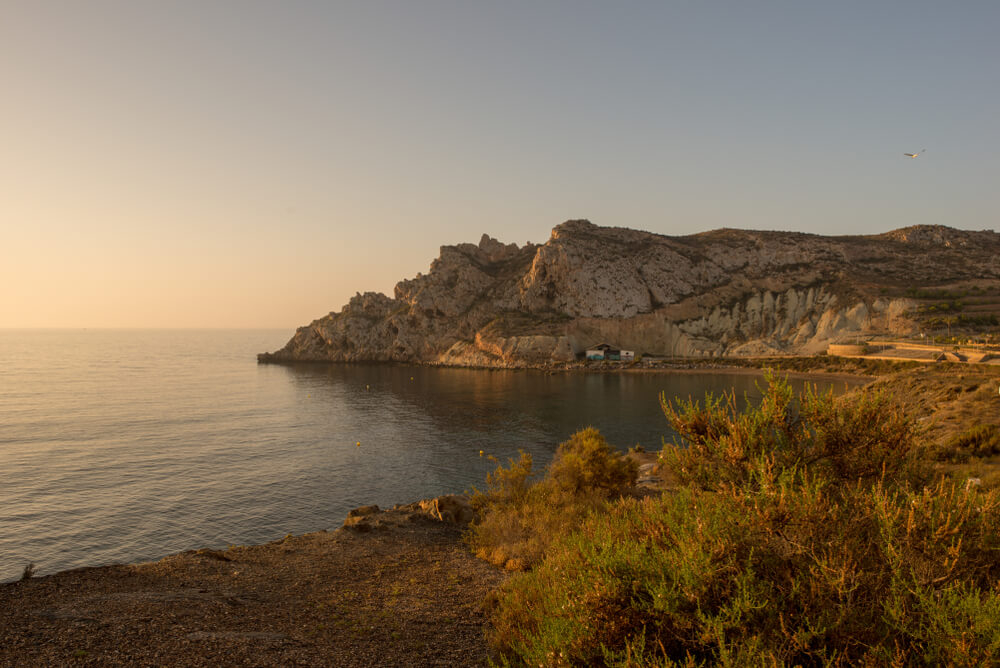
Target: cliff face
x=726, y=292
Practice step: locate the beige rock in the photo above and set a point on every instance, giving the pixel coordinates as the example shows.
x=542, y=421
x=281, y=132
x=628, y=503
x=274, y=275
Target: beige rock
x=451, y=508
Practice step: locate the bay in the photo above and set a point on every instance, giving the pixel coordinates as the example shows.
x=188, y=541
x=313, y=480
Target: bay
x=128, y=445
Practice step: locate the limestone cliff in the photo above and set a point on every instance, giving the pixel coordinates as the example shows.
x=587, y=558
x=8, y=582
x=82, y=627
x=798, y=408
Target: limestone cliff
x=725, y=292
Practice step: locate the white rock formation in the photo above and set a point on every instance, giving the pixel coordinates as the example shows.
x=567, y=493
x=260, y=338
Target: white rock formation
x=726, y=292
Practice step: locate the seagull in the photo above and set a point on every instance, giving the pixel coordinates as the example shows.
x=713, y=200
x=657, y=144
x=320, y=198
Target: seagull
x=913, y=155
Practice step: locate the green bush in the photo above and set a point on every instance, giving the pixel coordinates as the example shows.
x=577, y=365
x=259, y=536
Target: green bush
x=518, y=519
x=859, y=436
x=586, y=463
x=803, y=537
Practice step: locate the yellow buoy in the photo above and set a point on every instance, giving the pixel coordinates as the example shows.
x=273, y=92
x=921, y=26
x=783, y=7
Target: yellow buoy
x=480, y=453
x=359, y=444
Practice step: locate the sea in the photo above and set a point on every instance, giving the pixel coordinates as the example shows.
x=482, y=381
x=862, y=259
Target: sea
x=123, y=446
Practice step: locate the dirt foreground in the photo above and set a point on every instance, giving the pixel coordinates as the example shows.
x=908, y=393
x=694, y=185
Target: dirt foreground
x=398, y=588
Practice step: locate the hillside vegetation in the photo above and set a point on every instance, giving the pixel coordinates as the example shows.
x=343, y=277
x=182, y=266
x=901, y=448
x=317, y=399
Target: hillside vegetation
x=810, y=530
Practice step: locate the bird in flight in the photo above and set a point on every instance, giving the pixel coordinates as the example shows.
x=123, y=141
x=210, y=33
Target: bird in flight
x=913, y=155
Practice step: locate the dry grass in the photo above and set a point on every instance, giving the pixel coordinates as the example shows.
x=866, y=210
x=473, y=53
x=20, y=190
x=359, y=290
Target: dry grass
x=947, y=401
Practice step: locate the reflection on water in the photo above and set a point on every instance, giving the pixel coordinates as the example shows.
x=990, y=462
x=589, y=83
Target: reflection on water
x=130, y=445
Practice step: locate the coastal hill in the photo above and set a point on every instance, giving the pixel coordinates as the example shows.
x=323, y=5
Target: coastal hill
x=721, y=293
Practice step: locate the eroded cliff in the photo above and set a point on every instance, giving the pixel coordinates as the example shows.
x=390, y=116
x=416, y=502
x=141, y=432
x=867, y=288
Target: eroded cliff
x=726, y=292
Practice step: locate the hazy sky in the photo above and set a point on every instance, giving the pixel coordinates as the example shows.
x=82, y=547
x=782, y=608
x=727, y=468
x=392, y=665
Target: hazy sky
x=254, y=164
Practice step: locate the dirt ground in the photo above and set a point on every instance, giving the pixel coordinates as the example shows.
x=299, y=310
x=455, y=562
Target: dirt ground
x=401, y=590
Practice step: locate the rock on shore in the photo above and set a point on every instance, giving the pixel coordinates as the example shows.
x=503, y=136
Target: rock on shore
x=726, y=292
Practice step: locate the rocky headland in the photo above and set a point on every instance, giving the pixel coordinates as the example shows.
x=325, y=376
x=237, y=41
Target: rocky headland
x=724, y=293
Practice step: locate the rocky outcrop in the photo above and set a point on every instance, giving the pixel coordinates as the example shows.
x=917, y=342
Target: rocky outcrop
x=450, y=508
x=725, y=292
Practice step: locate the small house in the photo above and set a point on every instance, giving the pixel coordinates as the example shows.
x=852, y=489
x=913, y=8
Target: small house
x=628, y=355
x=604, y=351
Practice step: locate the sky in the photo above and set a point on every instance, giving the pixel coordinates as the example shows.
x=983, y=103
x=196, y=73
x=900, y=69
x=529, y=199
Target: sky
x=256, y=163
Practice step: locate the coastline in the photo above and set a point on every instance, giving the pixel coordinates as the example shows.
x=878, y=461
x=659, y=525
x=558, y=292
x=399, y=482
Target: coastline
x=749, y=367
x=860, y=379
x=322, y=597
x=822, y=367
x=125, y=550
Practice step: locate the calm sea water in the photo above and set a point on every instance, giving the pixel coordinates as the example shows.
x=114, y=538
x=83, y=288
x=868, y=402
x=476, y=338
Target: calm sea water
x=128, y=445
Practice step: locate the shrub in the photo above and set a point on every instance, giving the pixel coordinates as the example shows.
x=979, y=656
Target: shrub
x=803, y=537
x=794, y=577
x=508, y=485
x=587, y=464
x=518, y=519
x=982, y=440
x=860, y=436
x=972, y=457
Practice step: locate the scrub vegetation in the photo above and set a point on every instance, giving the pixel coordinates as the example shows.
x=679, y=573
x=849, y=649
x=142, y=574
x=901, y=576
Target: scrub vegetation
x=807, y=530
x=519, y=517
